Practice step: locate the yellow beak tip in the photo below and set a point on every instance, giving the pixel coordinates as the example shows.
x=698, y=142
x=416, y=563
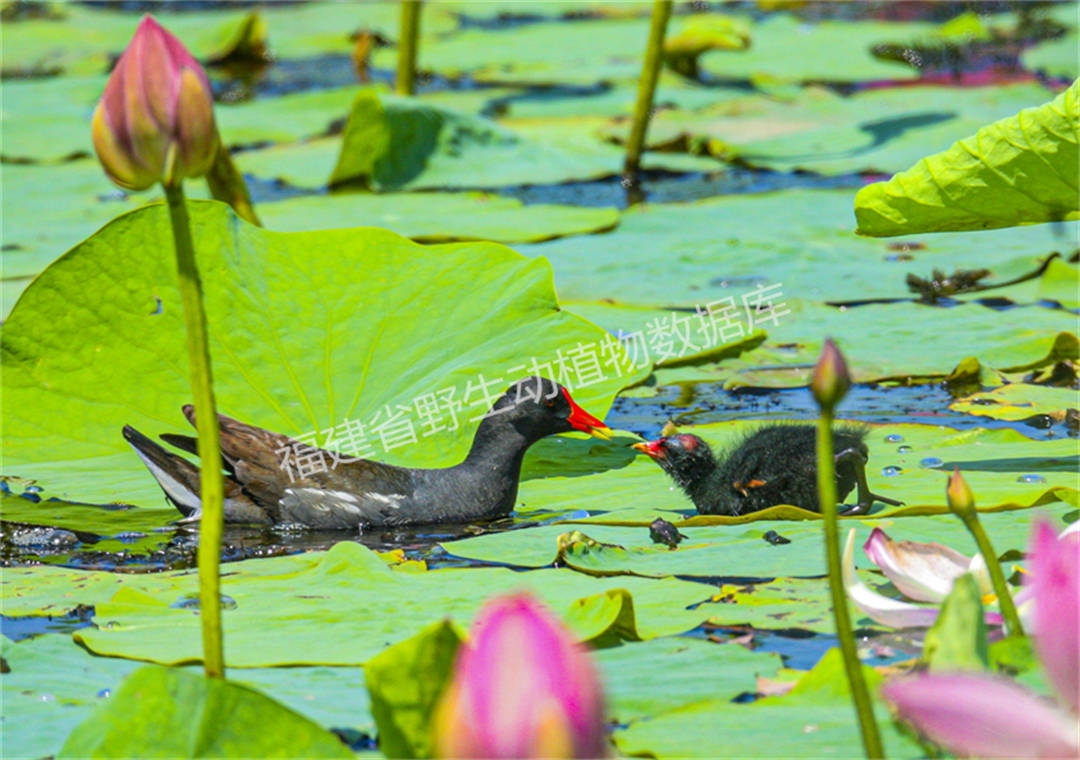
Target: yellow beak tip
x=603, y=433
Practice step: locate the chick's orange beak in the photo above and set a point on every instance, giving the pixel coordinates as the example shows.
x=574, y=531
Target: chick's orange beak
x=653, y=448
x=581, y=420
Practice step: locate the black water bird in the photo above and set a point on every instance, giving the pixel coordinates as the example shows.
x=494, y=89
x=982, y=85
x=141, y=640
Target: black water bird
x=362, y=493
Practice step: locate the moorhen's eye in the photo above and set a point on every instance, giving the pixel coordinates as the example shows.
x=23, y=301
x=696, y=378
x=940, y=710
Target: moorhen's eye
x=550, y=403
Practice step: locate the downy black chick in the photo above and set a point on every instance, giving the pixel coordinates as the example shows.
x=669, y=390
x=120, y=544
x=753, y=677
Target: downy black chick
x=777, y=464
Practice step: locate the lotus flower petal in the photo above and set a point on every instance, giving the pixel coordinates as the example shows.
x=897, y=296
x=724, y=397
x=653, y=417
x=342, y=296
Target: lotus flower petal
x=984, y=716
x=881, y=609
x=885, y=610
x=921, y=571
x=1056, y=582
x=522, y=688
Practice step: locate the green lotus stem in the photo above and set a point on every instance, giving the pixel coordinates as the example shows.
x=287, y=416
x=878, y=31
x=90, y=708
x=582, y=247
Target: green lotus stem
x=212, y=488
x=407, y=43
x=997, y=578
x=827, y=495
x=650, y=72
x=227, y=184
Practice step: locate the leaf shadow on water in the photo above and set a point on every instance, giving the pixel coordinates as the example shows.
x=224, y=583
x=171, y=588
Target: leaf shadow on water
x=880, y=133
x=1017, y=464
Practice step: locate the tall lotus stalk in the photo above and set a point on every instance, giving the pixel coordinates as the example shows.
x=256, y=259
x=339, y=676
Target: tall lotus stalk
x=650, y=73
x=407, y=46
x=962, y=503
x=155, y=124
x=830, y=384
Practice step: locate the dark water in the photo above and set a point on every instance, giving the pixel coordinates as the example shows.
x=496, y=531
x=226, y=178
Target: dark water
x=702, y=403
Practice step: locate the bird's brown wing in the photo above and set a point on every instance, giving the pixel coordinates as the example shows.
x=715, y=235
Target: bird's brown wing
x=264, y=462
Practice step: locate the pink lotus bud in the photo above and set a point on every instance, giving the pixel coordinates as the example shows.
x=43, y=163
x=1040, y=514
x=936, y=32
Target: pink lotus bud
x=522, y=688
x=830, y=381
x=155, y=121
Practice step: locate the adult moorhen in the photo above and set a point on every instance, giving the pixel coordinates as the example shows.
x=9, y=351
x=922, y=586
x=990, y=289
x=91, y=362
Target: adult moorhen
x=777, y=464
x=361, y=493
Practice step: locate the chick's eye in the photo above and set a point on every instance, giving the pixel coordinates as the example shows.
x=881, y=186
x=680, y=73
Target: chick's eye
x=550, y=403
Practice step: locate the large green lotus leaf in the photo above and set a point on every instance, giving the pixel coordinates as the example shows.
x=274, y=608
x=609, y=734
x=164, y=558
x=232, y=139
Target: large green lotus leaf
x=48, y=119
x=361, y=605
x=1020, y=170
x=816, y=719
x=677, y=672
x=876, y=130
x=439, y=217
x=53, y=681
x=1018, y=401
x=169, y=712
x=297, y=347
x=76, y=197
x=682, y=254
x=880, y=341
x=723, y=550
x=993, y=461
x=406, y=143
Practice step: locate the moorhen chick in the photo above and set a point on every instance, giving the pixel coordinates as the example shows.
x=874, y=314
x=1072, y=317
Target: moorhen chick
x=362, y=493
x=777, y=464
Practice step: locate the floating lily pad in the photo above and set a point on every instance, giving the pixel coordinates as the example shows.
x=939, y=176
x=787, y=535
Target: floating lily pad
x=112, y=303
x=1018, y=401
x=816, y=719
x=347, y=589
x=679, y=671
x=1019, y=170
x=404, y=143
x=682, y=254
x=725, y=551
x=876, y=130
x=880, y=341
x=439, y=217
x=55, y=682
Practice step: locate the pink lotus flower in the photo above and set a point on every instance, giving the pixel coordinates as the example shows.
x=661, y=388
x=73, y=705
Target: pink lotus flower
x=522, y=688
x=155, y=121
x=924, y=572
x=991, y=716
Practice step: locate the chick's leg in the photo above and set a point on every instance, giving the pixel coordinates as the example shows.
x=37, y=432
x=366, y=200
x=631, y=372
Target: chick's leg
x=866, y=497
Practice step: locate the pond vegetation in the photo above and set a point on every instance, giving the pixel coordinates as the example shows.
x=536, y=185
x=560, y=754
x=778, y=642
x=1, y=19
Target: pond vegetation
x=699, y=218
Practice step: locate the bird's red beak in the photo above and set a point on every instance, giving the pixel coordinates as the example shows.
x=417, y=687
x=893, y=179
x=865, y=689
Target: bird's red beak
x=652, y=448
x=581, y=420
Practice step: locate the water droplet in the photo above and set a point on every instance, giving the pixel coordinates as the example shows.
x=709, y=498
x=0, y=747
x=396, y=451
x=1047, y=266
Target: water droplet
x=129, y=536
x=890, y=471
x=192, y=602
x=33, y=489
x=903, y=449
x=1031, y=479
x=45, y=697
x=894, y=438
x=931, y=462
x=105, y=693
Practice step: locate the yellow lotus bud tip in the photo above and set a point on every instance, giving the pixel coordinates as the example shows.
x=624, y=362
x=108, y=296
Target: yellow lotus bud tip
x=958, y=493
